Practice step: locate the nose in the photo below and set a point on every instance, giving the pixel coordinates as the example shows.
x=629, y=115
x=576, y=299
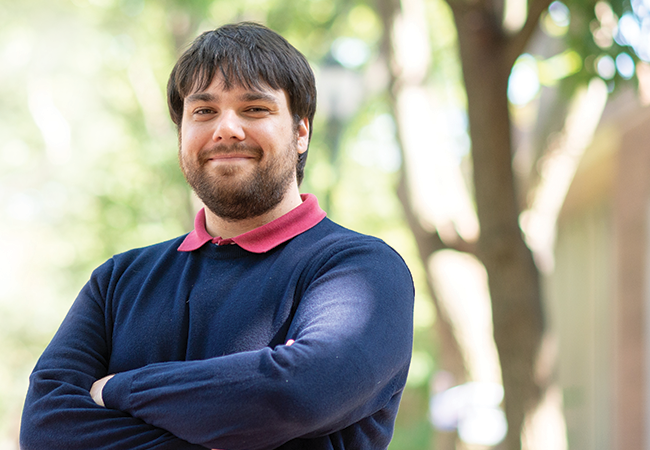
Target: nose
x=229, y=127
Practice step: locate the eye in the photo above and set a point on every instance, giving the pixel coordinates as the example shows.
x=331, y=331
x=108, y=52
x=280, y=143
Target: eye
x=203, y=111
x=257, y=110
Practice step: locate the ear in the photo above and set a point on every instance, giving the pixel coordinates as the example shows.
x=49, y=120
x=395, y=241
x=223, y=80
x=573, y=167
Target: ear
x=302, y=135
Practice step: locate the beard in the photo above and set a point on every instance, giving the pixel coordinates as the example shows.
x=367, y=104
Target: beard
x=232, y=192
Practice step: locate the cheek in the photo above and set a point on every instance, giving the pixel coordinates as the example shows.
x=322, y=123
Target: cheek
x=277, y=137
x=189, y=140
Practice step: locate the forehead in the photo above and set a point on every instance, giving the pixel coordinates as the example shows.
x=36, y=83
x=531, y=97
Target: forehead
x=219, y=89
x=226, y=83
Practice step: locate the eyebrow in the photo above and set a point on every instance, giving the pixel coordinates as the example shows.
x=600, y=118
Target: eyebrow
x=256, y=95
x=250, y=96
x=200, y=97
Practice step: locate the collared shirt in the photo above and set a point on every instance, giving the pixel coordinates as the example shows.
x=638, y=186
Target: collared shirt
x=199, y=343
x=264, y=238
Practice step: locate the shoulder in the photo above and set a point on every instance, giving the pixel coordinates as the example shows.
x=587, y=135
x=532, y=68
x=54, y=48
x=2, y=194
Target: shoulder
x=330, y=234
x=139, y=258
x=154, y=251
x=331, y=244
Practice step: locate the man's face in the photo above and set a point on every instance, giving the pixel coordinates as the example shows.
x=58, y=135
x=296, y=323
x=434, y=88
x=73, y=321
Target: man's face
x=239, y=148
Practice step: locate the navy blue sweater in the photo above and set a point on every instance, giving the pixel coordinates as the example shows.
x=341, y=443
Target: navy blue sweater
x=198, y=342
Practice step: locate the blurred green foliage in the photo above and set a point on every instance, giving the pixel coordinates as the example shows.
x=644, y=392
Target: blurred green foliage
x=88, y=158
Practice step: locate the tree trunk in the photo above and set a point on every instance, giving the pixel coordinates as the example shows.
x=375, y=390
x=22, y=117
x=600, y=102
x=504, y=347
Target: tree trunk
x=487, y=55
x=513, y=278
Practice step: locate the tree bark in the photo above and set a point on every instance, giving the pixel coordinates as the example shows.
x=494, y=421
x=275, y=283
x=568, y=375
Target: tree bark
x=487, y=55
x=513, y=278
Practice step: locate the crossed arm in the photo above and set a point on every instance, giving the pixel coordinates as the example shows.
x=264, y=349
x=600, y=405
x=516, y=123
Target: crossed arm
x=97, y=388
x=348, y=362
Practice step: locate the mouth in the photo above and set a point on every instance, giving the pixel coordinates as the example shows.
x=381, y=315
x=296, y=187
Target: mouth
x=232, y=155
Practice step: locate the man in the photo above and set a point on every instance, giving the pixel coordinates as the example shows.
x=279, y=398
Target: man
x=266, y=327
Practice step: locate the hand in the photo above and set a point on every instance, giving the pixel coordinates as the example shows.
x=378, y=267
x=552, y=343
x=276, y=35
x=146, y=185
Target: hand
x=97, y=388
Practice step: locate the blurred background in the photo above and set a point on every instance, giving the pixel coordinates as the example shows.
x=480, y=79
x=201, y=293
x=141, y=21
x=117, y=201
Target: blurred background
x=502, y=147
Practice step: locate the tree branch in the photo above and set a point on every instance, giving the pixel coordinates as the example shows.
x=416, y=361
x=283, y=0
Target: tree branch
x=428, y=242
x=518, y=42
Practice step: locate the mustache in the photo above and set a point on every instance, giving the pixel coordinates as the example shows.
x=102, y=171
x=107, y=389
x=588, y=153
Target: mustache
x=223, y=150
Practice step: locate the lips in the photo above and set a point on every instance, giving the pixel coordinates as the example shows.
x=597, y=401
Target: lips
x=232, y=152
x=223, y=157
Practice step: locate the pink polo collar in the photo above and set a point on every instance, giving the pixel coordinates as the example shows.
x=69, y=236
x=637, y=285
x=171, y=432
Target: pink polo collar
x=266, y=237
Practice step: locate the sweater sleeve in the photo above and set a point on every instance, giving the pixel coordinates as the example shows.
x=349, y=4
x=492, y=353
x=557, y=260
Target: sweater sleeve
x=353, y=338
x=59, y=412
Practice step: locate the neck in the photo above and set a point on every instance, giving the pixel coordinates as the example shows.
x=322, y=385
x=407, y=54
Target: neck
x=219, y=227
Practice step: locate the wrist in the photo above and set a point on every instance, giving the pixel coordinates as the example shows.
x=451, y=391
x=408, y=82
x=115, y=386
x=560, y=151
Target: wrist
x=97, y=389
